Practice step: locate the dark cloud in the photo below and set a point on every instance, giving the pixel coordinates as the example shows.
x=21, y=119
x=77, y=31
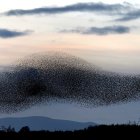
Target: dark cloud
x=79, y=7
x=130, y=16
x=62, y=77
x=5, y=33
x=100, y=31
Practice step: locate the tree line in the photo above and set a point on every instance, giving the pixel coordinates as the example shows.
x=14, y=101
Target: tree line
x=92, y=132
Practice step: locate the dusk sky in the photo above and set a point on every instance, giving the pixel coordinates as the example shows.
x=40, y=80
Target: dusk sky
x=105, y=33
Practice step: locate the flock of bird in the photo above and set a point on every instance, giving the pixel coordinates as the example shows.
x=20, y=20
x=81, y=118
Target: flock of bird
x=56, y=76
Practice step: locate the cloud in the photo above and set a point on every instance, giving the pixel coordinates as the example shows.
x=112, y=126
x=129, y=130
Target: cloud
x=5, y=33
x=100, y=30
x=78, y=7
x=130, y=16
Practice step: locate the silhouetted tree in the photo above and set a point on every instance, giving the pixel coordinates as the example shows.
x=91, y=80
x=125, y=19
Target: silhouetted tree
x=9, y=129
x=24, y=129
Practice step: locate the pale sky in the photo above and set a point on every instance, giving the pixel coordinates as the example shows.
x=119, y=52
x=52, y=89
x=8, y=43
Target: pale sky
x=46, y=30
x=98, y=37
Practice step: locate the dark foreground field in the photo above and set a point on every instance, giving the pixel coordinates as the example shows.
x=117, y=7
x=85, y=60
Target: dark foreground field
x=97, y=132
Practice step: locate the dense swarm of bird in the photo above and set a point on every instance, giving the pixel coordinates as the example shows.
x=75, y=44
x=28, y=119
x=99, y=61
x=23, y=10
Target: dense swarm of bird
x=56, y=76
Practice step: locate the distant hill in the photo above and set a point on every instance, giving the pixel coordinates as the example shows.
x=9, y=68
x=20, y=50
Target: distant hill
x=43, y=123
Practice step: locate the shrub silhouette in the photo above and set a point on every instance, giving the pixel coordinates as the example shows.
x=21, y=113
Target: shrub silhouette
x=24, y=129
